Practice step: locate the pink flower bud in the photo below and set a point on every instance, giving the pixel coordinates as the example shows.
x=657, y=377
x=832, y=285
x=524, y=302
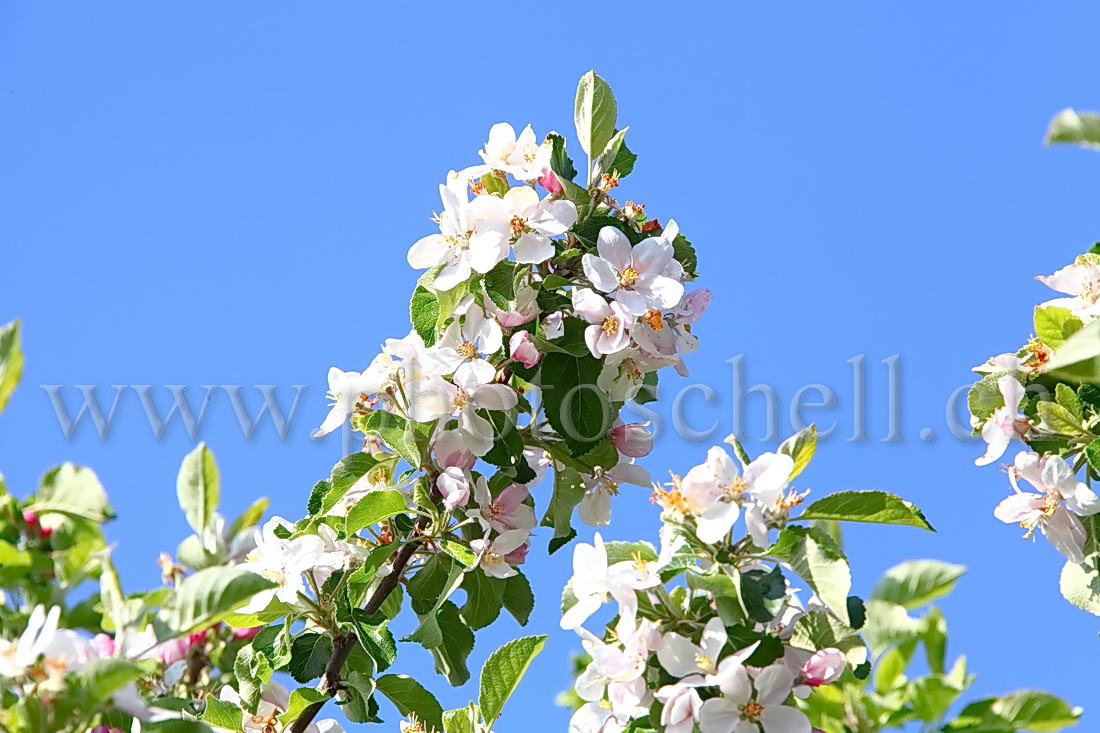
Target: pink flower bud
x=823, y=667
x=632, y=439
x=197, y=638
x=30, y=517
x=247, y=633
x=517, y=556
x=172, y=650
x=549, y=181
x=104, y=645
x=454, y=486
x=523, y=349
x=45, y=532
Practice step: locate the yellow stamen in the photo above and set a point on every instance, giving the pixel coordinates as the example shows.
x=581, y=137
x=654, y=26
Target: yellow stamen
x=628, y=277
x=467, y=350
x=610, y=324
x=654, y=319
x=518, y=224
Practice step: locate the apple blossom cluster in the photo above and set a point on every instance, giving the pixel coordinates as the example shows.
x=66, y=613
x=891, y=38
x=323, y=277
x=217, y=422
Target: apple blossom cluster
x=725, y=651
x=1047, y=396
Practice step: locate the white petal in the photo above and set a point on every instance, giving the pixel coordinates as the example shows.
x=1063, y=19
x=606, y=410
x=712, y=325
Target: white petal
x=614, y=247
x=532, y=248
x=428, y=251
x=602, y=273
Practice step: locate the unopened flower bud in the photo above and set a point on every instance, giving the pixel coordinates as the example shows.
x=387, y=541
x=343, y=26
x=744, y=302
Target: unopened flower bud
x=523, y=349
x=549, y=181
x=632, y=439
x=823, y=667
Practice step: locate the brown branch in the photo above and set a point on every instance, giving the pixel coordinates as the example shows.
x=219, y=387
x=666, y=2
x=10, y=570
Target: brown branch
x=345, y=643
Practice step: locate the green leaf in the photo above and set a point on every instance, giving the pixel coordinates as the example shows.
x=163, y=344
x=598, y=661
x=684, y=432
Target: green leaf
x=462, y=720
x=605, y=163
x=346, y=474
x=560, y=162
x=624, y=161
x=424, y=310
x=890, y=668
x=373, y=508
x=206, y=596
x=1058, y=419
x=104, y=677
x=409, y=696
x=726, y=590
x=917, y=582
x=407, y=437
x=1081, y=128
x=816, y=558
x=569, y=489
x=877, y=507
x=1078, y=359
x=13, y=557
x=308, y=656
x=1054, y=324
x=819, y=630
x=300, y=699
x=11, y=361
x=222, y=714
x=72, y=491
x=1037, y=711
x=1080, y=585
x=250, y=517
x=888, y=623
x=518, y=598
x=935, y=639
x=575, y=406
x=458, y=642
x=375, y=638
x=984, y=398
x=800, y=447
x=484, y=599
x=502, y=672
x=197, y=488
x=594, y=114
x=1068, y=399
x=253, y=671
x=685, y=254
x=356, y=698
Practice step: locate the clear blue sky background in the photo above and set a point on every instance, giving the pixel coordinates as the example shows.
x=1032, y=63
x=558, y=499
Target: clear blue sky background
x=212, y=193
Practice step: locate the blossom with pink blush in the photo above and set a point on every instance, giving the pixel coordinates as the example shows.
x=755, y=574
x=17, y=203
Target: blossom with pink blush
x=518, y=556
x=692, y=306
x=525, y=309
x=104, y=645
x=523, y=350
x=609, y=331
x=549, y=181
x=451, y=452
x=30, y=517
x=824, y=667
x=632, y=439
x=506, y=510
x=172, y=650
x=454, y=486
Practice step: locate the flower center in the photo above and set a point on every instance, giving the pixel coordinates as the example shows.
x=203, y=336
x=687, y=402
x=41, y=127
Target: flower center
x=628, y=277
x=704, y=663
x=610, y=324
x=457, y=243
x=604, y=704
x=477, y=188
x=752, y=711
x=670, y=499
x=467, y=350
x=518, y=224
x=654, y=319
x=736, y=487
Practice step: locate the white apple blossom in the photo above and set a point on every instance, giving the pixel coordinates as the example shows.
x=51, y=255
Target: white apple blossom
x=634, y=274
x=463, y=346
x=454, y=487
x=682, y=707
x=740, y=712
x=492, y=555
x=594, y=583
x=532, y=222
x=1054, y=511
x=1081, y=281
x=471, y=237
x=609, y=331
x=435, y=398
x=596, y=717
x=521, y=155
x=1005, y=423
x=595, y=506
x=283, y=561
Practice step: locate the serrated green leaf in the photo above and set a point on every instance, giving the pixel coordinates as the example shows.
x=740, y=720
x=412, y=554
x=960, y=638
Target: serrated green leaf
x=817, y=559
x=484, y=599
x=208, y=595
x=309, y=654
x=222, y=714
x=594, y=114
x=301, y=699
x=518, y=598
x=1054, y=324
x=373, y=508
x=917, y=582
x=409, y=696
x=502, y=672
x=198, y=491
x=569, y=489
x=877, y=507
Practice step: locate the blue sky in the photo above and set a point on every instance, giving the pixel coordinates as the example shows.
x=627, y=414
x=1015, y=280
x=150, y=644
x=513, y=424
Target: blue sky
x=219, y=193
